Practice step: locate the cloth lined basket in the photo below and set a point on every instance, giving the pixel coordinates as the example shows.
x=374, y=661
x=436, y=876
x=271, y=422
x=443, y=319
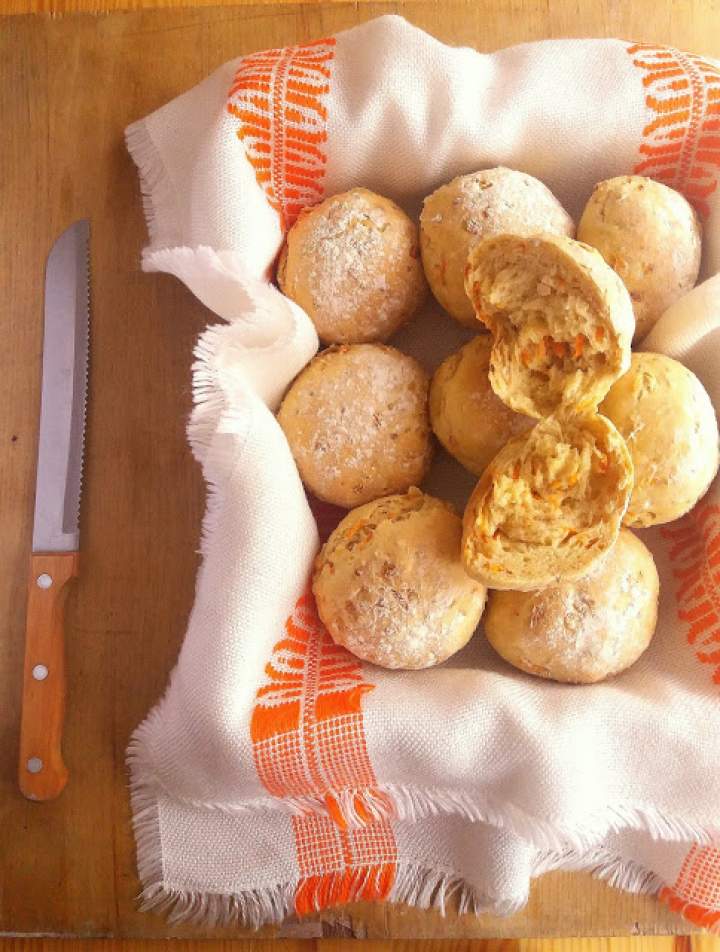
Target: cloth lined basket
x=278, y=773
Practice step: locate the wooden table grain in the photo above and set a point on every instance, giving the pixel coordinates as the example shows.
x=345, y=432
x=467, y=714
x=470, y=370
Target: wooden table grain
x=696, y=943
x=68, y=86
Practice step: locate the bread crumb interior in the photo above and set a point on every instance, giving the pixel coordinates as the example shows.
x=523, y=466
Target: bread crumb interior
x=553, y=492
x=549, y=338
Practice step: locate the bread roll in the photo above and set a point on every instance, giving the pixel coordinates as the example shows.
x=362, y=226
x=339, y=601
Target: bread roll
x=466, y=416
x=352, y=262
x=584, y=631
x=471, y=207
x=549, y=504
x=650, y=235
x=560, y=317
x=671, y=430
x=390, y=585
x=357, y=423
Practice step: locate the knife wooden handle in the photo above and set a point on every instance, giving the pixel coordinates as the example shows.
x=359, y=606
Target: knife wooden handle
x=42, y=773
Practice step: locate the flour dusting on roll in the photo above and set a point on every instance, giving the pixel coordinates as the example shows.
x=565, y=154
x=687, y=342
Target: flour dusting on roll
x=357, y=423
x=353, y=264
x=390, y=585
x=669, y=424
x=584, y=631
x=471, y=207
x=650, y=235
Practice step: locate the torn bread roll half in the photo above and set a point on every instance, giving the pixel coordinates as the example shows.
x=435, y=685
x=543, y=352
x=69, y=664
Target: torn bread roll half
x=548, y=505
x=460, y=214
x=561, y=319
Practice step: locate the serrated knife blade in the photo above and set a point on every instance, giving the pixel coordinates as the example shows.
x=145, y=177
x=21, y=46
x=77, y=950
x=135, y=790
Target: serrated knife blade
x=56, y=533
x=64, y=385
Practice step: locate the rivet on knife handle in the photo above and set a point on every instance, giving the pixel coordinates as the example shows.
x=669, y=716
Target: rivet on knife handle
x=42, y=774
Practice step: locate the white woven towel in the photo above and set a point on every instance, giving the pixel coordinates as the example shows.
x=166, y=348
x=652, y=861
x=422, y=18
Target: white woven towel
x=278, y=772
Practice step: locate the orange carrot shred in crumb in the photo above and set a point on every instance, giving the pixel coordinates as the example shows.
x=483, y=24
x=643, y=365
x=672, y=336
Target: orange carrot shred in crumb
x=351, y=530
x=559, y=348
x=579, y=345
x=599, y=332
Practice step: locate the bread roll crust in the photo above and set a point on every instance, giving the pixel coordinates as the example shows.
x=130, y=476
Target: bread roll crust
x=650, y=235
x=470, y=421
x=584, y=631
x=390, y=586
x=356, y=419
x=353, y=264
x=560, y=317
x=669, y=424
x=548, y=505
x=471, y=207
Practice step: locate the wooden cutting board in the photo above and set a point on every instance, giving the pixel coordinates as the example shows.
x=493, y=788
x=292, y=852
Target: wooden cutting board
x=68, y=87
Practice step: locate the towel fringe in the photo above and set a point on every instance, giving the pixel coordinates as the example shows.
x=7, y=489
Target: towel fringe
x=412, y=804
x=159, y=200
x=705, y=918
x=630, y=877
x=209, y=419
x=434, y=888
x=407, y=803
x=413, y=885
x=208, y=397
x=602, y=864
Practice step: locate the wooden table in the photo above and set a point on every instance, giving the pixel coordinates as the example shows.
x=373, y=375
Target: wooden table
x=68, y=86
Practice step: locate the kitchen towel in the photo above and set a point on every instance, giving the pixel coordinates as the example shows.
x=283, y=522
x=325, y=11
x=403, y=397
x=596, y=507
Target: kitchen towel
x=279, y=773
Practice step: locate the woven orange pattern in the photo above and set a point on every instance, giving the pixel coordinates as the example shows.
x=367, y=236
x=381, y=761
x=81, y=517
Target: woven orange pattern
x=306, y=728
x=681, y=145
x=278, y=96
x=695, y=554
x=342, y=865
x=309, y=741
x=696, y=891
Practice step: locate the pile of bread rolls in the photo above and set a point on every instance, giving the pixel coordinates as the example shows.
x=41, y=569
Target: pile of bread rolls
x=574, y=438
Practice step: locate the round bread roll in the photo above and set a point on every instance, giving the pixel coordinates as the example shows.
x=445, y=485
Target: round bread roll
x=549, y=504
x=356, y=419
x=561, y=321
x=472, y=207
x=669, y=424
x=584, y=631
x=352, y=263
x=650, y=235
x=468, y=419
x=390, y=585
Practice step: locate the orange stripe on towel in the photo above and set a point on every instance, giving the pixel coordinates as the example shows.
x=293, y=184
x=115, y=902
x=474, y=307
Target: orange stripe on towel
x=280, y=98
x=695, y=894
x=694, y=549
x=308, y=741
x=681, y=97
